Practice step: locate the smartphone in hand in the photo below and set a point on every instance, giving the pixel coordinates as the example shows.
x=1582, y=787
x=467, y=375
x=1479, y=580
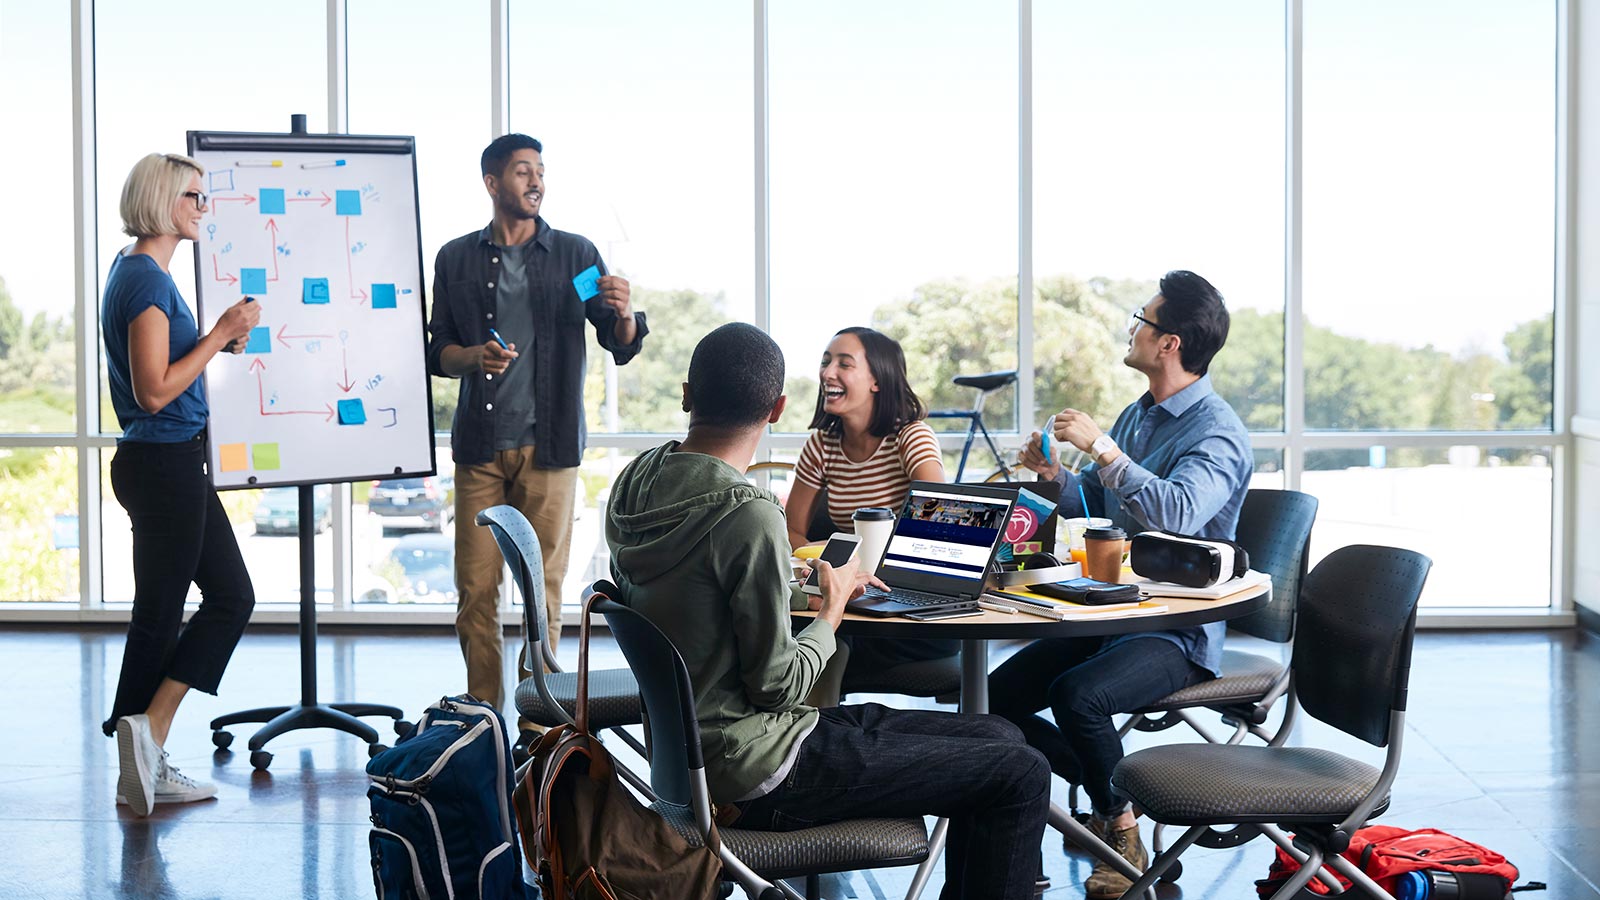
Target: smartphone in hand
x=836, y=552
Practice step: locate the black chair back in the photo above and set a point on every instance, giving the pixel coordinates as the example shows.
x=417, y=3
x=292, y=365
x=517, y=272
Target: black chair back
x=1357, y=618
x=667, y=694
x=520, y=547
x=821, y=526
x=1275, y=529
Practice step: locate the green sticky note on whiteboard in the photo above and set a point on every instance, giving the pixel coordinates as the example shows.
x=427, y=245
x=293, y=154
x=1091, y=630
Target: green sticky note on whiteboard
x=265, y=457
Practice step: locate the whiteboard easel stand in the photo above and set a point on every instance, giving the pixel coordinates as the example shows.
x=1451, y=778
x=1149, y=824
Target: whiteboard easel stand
x=308, y=713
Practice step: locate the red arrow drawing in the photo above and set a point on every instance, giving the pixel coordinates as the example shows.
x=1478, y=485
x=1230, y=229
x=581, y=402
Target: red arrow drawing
x=272, y=226
x=286, y=338
x=324, y=200
x=247, y=199
x=349, y=267
x=215, y=273
x=346, y=384
x=257, y=366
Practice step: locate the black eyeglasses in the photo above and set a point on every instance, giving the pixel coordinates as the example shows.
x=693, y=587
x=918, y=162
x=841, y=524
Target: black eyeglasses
x=1133, y=324
x=200, y=198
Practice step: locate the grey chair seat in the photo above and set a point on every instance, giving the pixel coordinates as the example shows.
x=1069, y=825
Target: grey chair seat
x=838, y=847
x=1217, y=784
x=1245, y=678
x=922, y=678
x=613, y=699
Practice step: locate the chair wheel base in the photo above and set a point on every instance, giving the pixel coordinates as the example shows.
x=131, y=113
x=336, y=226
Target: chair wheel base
x=260, y=759
x=1173, y=872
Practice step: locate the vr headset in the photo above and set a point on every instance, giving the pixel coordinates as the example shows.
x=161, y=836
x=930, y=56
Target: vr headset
x=1192, y=562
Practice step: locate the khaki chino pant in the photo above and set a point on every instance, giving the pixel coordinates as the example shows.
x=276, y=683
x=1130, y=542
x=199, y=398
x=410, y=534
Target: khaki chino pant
x=546, y=497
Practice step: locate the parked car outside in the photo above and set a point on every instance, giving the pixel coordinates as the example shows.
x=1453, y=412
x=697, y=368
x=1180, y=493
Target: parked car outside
x=426, y=503
x=424, y=568
x=278, y=511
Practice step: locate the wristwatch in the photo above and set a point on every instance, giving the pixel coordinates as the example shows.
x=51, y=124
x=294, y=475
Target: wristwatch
x=1102, y=445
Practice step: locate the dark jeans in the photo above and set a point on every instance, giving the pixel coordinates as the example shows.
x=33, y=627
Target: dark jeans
x=180, y=535
x=871, y=761
x=1084, y=683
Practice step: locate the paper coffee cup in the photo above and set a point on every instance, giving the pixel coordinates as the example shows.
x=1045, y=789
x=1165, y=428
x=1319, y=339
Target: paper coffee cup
x=874, y=525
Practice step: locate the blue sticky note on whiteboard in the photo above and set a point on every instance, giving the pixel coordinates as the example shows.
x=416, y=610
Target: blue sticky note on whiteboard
x=252, y=281
x=347, y=203
x=351, y=412
x=260, y=340
x=383, y=296
x=272, y=203
x=314, y=290
x=587, y=283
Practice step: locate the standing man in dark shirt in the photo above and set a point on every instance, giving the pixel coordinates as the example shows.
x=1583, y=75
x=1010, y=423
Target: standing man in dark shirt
x=519, y=432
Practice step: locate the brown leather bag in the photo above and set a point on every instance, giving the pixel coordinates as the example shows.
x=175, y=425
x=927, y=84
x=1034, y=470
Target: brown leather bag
x=587, y=836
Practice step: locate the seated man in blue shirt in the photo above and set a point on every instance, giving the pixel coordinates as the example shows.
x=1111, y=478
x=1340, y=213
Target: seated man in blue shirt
x=1177, y=460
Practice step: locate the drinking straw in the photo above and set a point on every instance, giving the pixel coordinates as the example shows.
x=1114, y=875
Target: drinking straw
x=1084, y=500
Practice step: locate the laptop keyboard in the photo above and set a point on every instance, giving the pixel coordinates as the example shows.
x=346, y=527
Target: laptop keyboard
x=907, y=597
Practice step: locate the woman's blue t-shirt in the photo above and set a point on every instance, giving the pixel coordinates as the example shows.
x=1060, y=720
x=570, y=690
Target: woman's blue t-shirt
x=135, y=284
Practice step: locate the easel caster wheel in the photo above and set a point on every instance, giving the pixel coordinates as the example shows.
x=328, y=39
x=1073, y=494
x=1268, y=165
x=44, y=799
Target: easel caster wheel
x=260, y=759
x=402, y=727
x=374, y=749
x=222, y=740
x=1173, y=873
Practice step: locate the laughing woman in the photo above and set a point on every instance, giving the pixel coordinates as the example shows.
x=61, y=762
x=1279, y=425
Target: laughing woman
x=868, y=443
x=155, y=355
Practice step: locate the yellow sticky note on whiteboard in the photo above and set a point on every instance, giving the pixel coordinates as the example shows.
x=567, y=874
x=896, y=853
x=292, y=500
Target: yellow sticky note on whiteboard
x=233, y=457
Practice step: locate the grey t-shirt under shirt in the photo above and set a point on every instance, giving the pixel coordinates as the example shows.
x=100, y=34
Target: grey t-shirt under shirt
x=514, y=416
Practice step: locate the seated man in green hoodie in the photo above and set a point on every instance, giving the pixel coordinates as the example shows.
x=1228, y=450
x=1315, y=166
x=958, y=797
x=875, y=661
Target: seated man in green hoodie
x=705, y=556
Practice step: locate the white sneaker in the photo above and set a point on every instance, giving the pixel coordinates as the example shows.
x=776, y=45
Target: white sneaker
x=138, y=759
x=172, y=786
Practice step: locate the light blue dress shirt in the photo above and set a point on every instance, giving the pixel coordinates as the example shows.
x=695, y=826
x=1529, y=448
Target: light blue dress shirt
x=1184, y=469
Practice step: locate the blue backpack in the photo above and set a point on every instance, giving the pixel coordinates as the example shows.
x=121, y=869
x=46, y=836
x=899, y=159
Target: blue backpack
x=442, y=827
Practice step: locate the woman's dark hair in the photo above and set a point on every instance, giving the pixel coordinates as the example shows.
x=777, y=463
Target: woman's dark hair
x=1192, y=309
x=896, y=404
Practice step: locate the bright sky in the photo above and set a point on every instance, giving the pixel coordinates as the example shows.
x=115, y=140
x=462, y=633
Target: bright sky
x=1158, y=142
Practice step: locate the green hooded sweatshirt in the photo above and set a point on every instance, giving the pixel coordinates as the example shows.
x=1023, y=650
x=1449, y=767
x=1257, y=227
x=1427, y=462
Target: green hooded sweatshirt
x=704, y=555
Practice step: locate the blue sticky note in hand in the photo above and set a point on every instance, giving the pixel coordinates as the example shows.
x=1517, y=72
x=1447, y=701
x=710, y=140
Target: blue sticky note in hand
x=272, y=202
x=383, y=296
x=347, y=203
x=260, y=340
x=587, y=283
x=351, y=412
x=252, y=281
x=314, y=290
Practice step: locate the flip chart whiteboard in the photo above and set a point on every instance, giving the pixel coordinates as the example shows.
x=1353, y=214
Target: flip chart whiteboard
x=322, y=230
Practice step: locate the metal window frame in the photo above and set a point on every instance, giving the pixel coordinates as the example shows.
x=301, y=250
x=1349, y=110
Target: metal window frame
x=89, y=441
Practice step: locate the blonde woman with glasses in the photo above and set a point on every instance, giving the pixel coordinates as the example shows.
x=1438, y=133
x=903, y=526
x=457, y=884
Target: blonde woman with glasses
x=155, y=355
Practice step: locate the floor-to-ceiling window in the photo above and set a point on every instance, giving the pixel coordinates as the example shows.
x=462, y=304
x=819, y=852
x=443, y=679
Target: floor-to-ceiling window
x=1380, y=179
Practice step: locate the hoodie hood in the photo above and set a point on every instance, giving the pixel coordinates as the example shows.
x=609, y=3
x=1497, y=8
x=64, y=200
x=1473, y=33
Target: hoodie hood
x=663, y=505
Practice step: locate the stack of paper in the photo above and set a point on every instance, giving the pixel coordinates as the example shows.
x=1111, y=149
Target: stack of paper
x=1221, y=589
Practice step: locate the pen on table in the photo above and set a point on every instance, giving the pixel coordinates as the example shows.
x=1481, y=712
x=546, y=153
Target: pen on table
x=325, y=164
x=260, y=163
x=997, y=607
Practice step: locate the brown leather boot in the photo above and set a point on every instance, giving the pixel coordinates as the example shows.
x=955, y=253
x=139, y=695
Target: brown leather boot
x=1106, y=883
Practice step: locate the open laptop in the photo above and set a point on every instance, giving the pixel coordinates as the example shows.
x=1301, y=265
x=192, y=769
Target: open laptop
x=943, y=544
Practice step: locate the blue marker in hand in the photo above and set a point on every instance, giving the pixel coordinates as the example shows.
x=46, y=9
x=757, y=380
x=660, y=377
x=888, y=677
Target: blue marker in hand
x=1044, y=438
x=499, y=340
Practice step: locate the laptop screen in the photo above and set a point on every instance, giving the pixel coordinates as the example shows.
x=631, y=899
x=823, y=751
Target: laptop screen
x=948, y=531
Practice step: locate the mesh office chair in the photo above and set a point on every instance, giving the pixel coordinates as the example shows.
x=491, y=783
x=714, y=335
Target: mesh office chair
x=1275, y=529
x=1351, y=668
x=752, y=859
x=548, y=697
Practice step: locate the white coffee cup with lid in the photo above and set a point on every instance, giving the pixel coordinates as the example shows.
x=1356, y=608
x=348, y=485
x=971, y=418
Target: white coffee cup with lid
x=874, y=525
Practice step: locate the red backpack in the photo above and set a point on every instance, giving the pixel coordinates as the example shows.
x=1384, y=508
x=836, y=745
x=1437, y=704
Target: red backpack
x=1385, y=853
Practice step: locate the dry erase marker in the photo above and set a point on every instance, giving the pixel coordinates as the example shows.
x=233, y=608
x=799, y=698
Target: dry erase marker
x=325, y=164
x=1044, y=438
x=260, y=163
x=498, y=339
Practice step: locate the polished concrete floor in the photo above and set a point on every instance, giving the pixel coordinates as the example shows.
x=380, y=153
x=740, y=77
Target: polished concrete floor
x=1502, y=746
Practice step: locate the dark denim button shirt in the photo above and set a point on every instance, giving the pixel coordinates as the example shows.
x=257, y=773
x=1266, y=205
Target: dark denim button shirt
x=465, y=308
